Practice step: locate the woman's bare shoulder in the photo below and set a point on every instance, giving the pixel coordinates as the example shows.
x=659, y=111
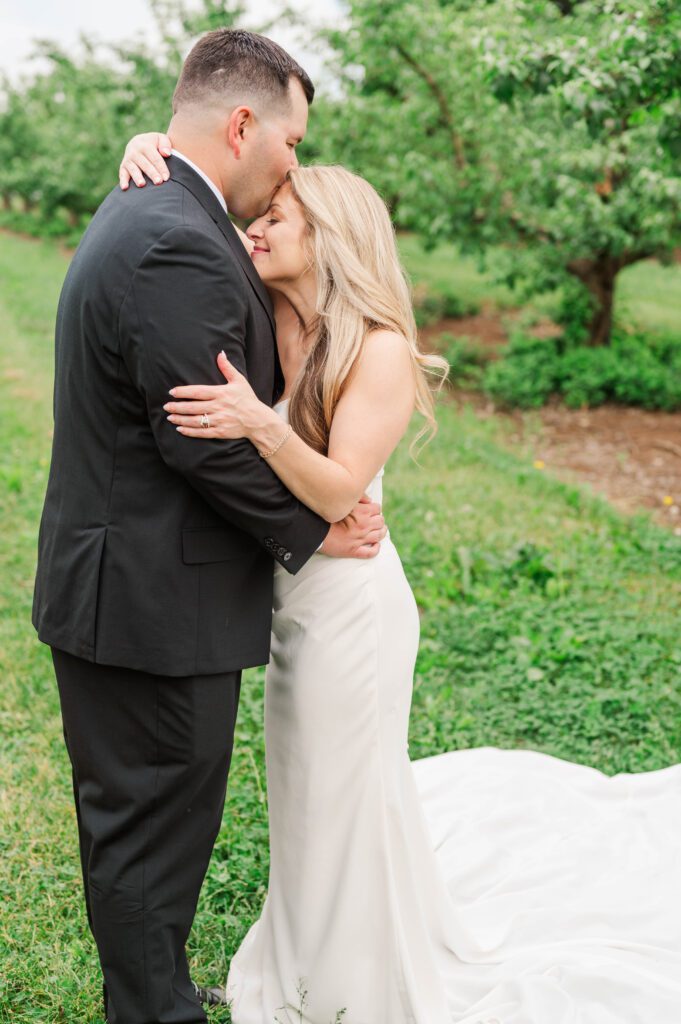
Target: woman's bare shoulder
x=385, y=367
x=386, y=352
x=383, y=341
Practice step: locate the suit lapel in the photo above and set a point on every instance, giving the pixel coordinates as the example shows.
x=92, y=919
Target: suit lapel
x=237, y=247
x=183, y=173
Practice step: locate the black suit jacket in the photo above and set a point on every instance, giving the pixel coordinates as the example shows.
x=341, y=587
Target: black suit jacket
x=155, y=550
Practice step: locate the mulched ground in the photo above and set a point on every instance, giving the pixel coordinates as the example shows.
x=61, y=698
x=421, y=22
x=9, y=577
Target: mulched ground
x=630, y=456
x=488, y=329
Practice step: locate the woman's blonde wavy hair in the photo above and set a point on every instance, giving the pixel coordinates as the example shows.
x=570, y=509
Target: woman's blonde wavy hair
x=361, y=287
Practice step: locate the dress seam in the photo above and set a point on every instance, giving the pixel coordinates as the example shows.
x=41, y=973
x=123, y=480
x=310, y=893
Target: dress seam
x=377, y=631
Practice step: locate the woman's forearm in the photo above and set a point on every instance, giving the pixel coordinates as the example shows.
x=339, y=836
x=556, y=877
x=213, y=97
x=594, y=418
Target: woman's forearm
x=325, y=486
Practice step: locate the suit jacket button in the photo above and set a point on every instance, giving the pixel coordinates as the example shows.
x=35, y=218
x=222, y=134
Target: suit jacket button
x=287, y=556
x=281, y=550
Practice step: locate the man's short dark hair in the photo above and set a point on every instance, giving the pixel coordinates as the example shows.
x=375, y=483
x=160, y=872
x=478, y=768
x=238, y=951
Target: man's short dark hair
x=229, y=61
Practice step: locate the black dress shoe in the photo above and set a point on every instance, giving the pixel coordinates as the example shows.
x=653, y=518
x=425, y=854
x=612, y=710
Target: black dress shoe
x=211, y=996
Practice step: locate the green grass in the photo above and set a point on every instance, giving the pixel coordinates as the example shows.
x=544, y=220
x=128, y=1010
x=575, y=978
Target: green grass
x=547, y=621
x=648, y=294
x=445, y=269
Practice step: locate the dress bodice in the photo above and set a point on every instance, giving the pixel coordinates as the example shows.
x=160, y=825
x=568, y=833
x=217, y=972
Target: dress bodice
x=374, y=489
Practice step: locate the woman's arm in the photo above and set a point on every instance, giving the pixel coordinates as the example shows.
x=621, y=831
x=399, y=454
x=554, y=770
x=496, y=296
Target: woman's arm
x=369, y=421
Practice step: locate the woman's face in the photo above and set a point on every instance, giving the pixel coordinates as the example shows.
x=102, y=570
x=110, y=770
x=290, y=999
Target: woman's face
x=279, y=240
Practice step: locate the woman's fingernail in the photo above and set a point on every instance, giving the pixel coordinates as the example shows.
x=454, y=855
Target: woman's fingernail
x=172, y=392
x=222, y=353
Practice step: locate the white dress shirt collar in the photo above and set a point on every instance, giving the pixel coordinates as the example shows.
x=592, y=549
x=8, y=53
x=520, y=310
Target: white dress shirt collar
x=211, y=185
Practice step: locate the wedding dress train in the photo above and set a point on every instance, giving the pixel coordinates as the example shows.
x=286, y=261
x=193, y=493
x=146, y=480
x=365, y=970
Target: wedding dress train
x=481, y=886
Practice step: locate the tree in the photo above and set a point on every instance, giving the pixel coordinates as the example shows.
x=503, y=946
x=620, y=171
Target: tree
x=547, y=127
x=62, y=132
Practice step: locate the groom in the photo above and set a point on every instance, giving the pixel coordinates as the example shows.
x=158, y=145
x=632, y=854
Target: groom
x=154, y=581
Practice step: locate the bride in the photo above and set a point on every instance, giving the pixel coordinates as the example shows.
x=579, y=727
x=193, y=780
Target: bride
x=481, y=886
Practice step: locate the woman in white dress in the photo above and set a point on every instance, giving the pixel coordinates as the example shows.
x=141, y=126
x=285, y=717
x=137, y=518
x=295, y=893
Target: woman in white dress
x=478, y=886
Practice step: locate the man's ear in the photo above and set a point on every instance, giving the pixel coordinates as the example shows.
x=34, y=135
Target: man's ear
x=239, y=120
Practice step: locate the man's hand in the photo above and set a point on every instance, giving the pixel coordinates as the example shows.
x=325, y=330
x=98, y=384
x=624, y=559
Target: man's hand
x=359, y=535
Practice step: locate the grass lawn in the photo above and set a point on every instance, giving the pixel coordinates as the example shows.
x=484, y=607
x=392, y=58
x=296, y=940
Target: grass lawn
x=548, y=622
x=446, y=269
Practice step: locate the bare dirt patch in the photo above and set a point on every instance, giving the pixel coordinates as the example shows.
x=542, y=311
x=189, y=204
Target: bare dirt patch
x=630, y=456
x=489, y=329
x=486, y=328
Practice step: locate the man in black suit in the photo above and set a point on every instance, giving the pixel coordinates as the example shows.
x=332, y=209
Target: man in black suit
x=154, y=581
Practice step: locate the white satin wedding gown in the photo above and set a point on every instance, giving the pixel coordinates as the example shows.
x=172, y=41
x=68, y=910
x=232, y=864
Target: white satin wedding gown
x=481, y=886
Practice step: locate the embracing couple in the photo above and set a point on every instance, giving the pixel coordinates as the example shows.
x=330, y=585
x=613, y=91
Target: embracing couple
x=172, y=528
x=220, y=400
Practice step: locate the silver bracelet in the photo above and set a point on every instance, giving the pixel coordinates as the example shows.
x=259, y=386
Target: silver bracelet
x=273, y=451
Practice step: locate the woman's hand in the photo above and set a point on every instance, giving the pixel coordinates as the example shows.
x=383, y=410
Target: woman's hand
x=144, y=155
x=233, y=409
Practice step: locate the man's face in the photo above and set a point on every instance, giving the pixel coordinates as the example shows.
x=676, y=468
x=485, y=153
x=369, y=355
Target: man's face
x=268, y=152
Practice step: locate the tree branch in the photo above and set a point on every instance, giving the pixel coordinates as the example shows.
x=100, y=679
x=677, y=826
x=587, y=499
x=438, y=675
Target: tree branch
x=583, y=267
x=528, y=232
x=566, y=7
x=441, y=100
x=635, y=257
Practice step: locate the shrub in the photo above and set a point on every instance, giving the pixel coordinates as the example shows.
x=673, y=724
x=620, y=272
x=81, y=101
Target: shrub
x=429, y=307
x=649, y=375
x=454, y=306
x=527, y=375
x=466, y=360
x=634, y=370
x=574, y=312
x=588, y=376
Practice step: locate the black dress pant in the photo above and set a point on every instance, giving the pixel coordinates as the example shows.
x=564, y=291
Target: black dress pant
x=150, y=758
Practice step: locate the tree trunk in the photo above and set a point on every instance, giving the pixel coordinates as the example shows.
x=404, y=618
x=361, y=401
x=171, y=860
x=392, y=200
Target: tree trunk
x=598, y=276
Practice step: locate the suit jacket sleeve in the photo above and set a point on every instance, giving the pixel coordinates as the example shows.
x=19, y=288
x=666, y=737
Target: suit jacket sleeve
x=185, y=303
